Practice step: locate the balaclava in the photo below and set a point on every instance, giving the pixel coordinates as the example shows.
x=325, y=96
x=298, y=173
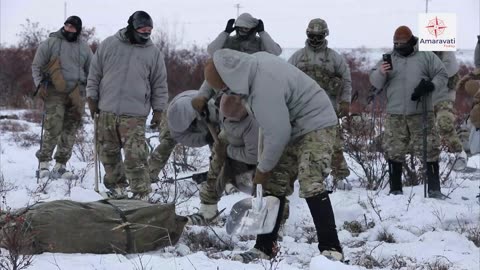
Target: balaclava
x=138, y=20
x=77, y=23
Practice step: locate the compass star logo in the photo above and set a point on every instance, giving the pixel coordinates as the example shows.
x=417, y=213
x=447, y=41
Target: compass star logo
x=436, y=27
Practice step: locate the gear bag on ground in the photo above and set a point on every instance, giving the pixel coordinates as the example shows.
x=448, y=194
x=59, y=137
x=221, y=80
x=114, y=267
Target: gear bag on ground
x=107, y=226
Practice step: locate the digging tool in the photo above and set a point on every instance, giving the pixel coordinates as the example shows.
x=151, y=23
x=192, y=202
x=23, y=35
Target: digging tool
x=256, y=215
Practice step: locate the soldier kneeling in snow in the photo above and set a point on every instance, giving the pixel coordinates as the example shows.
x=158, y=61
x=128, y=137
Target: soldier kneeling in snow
x=299, y=125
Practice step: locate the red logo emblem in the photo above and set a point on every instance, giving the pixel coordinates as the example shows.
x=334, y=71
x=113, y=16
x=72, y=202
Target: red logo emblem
x=436, y=27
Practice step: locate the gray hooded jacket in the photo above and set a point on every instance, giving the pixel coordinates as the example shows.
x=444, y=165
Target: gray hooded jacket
x=126, y=78
x=252, y=44
x=407, y=73
x=242, y=137
x=285, y=101
x=183, y=121
x=75, y=59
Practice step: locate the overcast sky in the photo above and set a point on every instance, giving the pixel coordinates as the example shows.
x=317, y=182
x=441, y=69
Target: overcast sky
x=352, y=23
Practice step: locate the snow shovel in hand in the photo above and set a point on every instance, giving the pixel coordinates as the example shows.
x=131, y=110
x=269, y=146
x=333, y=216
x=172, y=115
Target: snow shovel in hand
x=257, y=215
x=253, y=216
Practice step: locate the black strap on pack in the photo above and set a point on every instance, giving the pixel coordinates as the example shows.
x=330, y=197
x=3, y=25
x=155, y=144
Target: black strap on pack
x=128, y=230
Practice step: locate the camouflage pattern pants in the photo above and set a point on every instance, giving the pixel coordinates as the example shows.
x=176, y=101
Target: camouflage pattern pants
x=210, y=191
x=309, y=160
x=445, y=117
x=161, y=153
x=127, y=132
x=404, y=133
x=63, y=117
x=339, y=164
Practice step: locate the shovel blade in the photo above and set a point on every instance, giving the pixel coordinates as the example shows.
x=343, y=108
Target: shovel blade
x=244, y=219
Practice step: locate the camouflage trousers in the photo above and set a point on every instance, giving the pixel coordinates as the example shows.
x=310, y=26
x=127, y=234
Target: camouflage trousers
x=127, y=132
x=404, y=133
x=445, y=117
x=339, y=164
x=308, y=159
x=161, y=153
x=63, y=118
x=211, y=191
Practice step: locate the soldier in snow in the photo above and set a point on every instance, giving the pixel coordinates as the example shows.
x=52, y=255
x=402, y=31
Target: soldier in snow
x=299, y=125
x=127, y=80
x=330, y=70
x=60, y=70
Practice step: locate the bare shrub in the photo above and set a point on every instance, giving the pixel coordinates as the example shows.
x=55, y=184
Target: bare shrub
x=83, y=148
x=354, y=227
x=385, y=236
x=12, y=126
x=17, y=238
x=307, y=233
x=274, y=262
x=366, y=258
x=205, y=240
x=173, y=191
x=26, y=140
x=363, y=146
x=440, y=263
x=34, y=116
x=471, y=231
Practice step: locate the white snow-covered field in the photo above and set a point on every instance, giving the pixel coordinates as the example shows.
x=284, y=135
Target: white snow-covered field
x=423, y=232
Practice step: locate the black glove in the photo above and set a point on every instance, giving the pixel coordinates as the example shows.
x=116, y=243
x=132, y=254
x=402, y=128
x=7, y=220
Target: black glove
x=478, y=37
x=423, y=88
x=209, y=139
x=229, y=28
x=260, y=27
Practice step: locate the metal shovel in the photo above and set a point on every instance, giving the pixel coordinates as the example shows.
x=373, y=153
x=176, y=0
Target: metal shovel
x=256, y=215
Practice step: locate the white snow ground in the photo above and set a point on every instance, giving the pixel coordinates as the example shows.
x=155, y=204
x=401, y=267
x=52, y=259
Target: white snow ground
x=425, y=231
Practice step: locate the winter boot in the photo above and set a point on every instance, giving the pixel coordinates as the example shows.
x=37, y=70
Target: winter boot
x=460, y=161
x=324, y=220
x=60, y=171
x=44, y=172
x=433, y=178
x=395, y=174
x=207, y=214
x=266, y=245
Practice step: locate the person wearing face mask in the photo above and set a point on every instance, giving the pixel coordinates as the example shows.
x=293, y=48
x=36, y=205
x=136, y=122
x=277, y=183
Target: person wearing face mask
x=245, y=39
x=413, y=75
x=330, y=70
x=60, y=69
x=127, y=80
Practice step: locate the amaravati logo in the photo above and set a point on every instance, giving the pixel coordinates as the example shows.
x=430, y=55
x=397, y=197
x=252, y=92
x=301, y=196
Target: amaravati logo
x=436, y=27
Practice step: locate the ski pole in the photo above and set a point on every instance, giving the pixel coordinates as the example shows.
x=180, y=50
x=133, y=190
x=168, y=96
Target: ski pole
x=37, y=173
x=425, y=126
x=95, y=153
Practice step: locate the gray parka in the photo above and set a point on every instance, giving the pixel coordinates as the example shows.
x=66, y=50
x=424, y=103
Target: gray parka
x=286, y=103
x=74, y=56
x=242, y=137
x=407, y=73
x=252, y=44
x=128, y=79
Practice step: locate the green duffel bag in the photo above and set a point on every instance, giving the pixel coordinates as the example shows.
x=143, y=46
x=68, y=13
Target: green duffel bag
x=107, y=226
